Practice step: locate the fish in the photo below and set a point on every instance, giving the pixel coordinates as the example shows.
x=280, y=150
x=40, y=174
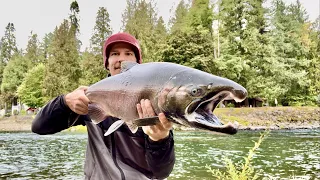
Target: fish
x=187, y=96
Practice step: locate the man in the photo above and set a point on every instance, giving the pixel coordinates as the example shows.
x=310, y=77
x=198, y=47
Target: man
x=147, y=154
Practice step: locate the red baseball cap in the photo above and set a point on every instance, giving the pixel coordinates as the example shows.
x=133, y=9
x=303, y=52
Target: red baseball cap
x=121, y=37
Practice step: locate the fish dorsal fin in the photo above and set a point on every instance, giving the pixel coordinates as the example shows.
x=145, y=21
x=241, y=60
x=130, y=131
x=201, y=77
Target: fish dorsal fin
x=114, y=127
x=126, y=65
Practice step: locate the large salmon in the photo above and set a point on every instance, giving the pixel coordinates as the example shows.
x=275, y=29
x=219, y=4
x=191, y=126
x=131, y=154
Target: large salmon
x=185, y=95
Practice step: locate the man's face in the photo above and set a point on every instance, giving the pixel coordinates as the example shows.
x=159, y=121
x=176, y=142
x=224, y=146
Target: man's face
x=120, y=52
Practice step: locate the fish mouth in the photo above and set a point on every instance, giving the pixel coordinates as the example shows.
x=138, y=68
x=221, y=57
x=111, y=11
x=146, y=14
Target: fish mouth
x=200, y=112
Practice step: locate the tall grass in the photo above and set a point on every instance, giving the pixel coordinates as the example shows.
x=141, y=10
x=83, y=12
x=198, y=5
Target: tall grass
x=242, y=171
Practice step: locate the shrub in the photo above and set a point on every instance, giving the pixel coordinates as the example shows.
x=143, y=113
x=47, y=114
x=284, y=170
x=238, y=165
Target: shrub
x=230, y=105
x=243, y=171
x=23, y=112
x=15, y=112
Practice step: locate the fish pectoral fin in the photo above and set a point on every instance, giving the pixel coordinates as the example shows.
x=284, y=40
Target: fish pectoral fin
x=114, y=127
x=149, y=121
x=96, y=113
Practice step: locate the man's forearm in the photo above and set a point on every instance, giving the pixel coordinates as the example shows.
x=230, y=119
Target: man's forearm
x=54, y=117
x=161, y=156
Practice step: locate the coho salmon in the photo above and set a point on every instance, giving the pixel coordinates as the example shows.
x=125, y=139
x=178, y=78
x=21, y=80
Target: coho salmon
x=187, y=96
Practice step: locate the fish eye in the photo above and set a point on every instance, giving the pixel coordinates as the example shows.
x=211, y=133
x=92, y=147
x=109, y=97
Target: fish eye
x=196, y=92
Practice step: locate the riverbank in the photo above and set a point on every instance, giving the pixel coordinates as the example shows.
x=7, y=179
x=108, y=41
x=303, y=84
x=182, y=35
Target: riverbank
x=16, y=123
x=272, y=117
x=248, y=119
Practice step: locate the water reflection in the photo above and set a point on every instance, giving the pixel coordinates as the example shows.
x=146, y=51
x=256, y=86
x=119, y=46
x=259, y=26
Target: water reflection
x=281, y=155
x=31, y=156
x=61, y=156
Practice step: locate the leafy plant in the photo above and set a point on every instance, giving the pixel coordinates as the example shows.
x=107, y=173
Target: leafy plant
x=243, y=171
x=30, y=91
x=15, y=112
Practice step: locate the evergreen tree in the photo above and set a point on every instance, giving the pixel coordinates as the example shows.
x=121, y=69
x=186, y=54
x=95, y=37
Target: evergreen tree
x=245, y=50
x=74, y=16
x=92, y=68
x=62, y=69
x=274, y=53
x=178, y=22
x=101, y=31
x=160, y=28
x=32, y=51
x=160, y=37
x=128, y=13
x=314, y=55
x=291, y=52
x=8, y=43
x=188, y=48
x=8, y=47
x=256, y=16
x=238, y=20
x=74, y=20
x=200, y=15
x=297, y=12
x=44, y=47
x=230, y=16
x=140, y=20
x=92, y=62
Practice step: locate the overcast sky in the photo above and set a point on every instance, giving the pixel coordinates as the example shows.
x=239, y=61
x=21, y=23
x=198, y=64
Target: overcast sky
x=42, y=16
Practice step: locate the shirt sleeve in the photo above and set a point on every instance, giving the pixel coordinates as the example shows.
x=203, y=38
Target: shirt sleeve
x=160, y=156
x=55, y=117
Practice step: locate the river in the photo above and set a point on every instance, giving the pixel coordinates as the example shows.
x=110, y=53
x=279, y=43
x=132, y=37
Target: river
x=283, y=154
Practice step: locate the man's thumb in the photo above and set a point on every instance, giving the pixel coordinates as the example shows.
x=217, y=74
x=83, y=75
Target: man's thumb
x=84, y=88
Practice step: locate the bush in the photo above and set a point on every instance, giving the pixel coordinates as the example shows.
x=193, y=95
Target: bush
x=230, y=105
x=23, y=112
x=15, y=112
x=243, y=171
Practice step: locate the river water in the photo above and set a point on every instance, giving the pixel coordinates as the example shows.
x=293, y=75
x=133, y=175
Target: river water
x=283, y=154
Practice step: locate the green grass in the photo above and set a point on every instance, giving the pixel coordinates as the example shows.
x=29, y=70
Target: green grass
x=265, y=116
x=229, y=118
x=78, y=128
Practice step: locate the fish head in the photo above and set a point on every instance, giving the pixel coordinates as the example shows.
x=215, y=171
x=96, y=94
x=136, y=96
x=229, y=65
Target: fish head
x=194, y=97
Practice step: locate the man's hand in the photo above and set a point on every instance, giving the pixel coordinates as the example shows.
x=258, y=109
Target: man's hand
x=77, y=101
x=158, y=131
